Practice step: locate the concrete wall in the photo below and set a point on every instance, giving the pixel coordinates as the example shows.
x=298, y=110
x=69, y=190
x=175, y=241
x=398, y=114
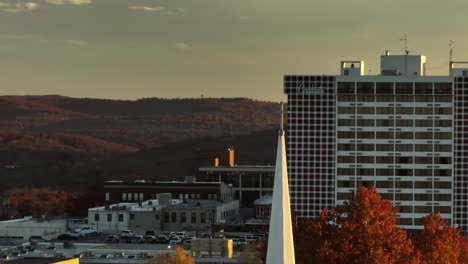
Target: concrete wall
x=143, y=221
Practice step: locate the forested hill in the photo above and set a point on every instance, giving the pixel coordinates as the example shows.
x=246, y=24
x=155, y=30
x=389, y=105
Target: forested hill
x=129, y=125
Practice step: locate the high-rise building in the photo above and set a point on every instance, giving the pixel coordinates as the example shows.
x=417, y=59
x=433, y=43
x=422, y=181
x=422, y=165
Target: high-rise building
x=402, y=131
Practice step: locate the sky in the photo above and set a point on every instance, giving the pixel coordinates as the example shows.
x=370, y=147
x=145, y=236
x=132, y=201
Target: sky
x=131, y=49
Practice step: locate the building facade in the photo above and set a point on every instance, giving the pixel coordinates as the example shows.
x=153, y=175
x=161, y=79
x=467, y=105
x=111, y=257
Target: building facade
x=402, y=131
x=120, y=191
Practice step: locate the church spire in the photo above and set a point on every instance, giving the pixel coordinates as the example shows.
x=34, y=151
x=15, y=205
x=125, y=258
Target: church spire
x=280, y=241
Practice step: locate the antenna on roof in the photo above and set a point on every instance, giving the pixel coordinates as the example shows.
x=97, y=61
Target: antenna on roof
x=451, y=49
x=405, y=39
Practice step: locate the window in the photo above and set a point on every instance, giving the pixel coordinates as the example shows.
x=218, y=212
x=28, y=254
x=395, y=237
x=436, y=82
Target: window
x=384, y=147
x=384, y=184
x=424, y=98
x=443, y=98
x=166, y=217
x=443, y=88
x=404, y=110
x=423, y=172
x=96, y=217
x=403, y=196
x=365, y=147
x=404, y=123
x=366, y=110
x=405, y=209
x=365, y=159
x=423, y=160
x=365, y=172
x=385, y=110
x=346, y=159
x=423, y=123
x=443, y=148
x=423, y=88
x=384, y=122
x=423, y=185
x=443, y=111
x=404, y=172
x=183, y=218
x=423, y=148
x=404, y=147
x=385, y=98
x=141, y=197
x=345, y=87
x=423, y=209
x=365, y=87
x=442, y=185
x=129, y=196
x=193, y=218
x=443, y=135
x=259, y=211
x=109, y=217
x=346, y=184
x=121, y=217
x=346, y=134
x=346, y=122
x=132, y=216
x=107, y=196
x=423, y=111
x=198, y=196
x=384, y=135
x=343, y=171
x=202, y=218
x=422, y=197
x=346, y=147
x=442, y=160
x=267, y=211
x=365, y=135
x=192, y=196
x=173, y=217
x=346, y=98
x=135, y=196
x=404, y=135
x=186, y=196
x=403, y=184
x=404, y=88
x=384, y=88
x=215, y=196
x=346, y=110
x=443, y=123
x=124, y=197
x=365, y=122
x=404, y=160
x=209, y=196
x=423, y=135
x=344, y=196
x=386, y=160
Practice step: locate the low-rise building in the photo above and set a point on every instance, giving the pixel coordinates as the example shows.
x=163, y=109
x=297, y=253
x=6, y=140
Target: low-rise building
x=262, y=214
x=163, y=214
x=141, y=190
x=24, y=228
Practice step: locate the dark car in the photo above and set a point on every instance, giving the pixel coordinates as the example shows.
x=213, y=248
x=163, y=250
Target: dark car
x=68, y=236
x=162, y=239
x=112, y=239
x=149, y=239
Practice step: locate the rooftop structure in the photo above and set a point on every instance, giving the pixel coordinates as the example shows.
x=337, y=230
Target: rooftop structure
x=402, y=131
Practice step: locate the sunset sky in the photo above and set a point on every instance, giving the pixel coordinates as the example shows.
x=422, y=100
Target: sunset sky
x=129, y=49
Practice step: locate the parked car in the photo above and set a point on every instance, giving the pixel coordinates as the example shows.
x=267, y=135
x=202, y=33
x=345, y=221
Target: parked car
x=175, y=241
x=38, y=239
x=112, y=239
x=150, y=239
x=84, y=231
x=136, y=239
x=167, y=234
x=69, y=236
x=180, y=235
x=150, y=233
x=162, y=239
x=126, y=234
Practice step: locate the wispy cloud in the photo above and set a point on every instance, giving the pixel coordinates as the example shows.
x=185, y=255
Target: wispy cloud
x=69, y=2
x=76, y=42
x=18, y=7
x=183, y=46
x=147, y=8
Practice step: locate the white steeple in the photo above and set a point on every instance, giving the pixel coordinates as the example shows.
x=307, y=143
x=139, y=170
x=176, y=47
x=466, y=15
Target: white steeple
x=280, y=241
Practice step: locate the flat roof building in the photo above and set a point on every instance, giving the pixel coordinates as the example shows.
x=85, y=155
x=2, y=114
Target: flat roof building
x=402, y=131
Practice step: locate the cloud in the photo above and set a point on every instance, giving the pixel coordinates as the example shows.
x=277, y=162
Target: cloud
x=76, y=42
x=69, y=2
x=18, y=7
x=147, y=8
x=183, y=46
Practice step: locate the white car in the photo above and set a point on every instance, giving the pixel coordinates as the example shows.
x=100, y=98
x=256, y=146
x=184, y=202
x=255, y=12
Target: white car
x=84, y=231
x=126, y=234
x=175, y=241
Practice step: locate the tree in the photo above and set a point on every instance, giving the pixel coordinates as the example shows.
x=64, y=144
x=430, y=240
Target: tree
x=178, y=257
x=438, y=243
x=363, y=230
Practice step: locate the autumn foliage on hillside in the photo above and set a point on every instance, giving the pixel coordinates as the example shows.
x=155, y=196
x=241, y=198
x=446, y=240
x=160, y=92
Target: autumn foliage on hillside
x=39, y=202
x=364, y=230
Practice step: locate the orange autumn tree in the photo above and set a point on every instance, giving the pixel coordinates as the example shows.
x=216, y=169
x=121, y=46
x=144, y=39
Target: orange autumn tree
x=363, y=230
x=439, y=243
x=178, y=257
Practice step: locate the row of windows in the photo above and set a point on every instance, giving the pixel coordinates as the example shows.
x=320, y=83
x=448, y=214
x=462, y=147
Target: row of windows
x=404, y=196
x=396, y=184
x=394, y=172
x=391, y=88
x=395, y=135
x=263, y=211
x=395, y=99
x=397, y=160
x=395, y=147
x=187, y=217
x=392, y=123
x=395, y=110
